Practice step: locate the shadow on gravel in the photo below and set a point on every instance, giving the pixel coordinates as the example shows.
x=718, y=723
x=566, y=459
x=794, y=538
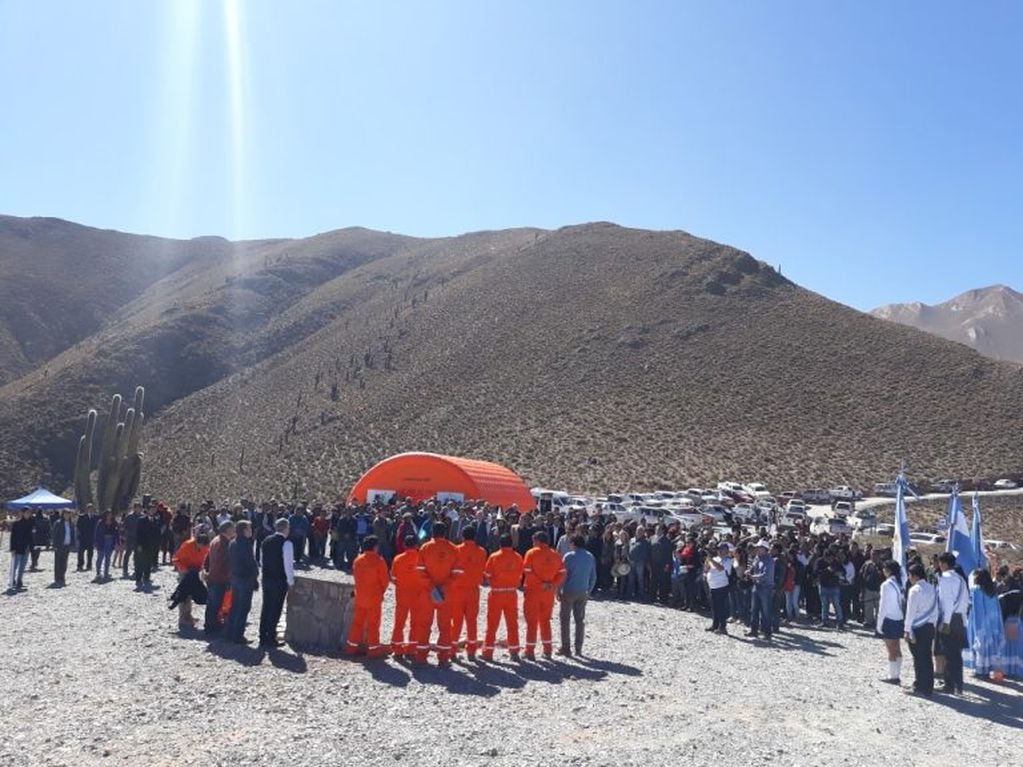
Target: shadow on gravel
x=607, y=666
x=993, y=705
x=791, y=642
x=286, y=661
x=241, y=654
x=395, y=676
x=481, y=682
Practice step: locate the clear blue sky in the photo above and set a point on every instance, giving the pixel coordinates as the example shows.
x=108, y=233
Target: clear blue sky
x=873, y=149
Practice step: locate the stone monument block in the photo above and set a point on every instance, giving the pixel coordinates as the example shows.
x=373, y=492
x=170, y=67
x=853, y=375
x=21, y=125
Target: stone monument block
x=320, y=609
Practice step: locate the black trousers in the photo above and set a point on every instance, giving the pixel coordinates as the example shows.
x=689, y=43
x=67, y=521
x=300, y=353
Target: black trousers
x=660, y=582
x=143, y=564
x=923, y=659
x=84, y=555
x=274, y=593
x=129, y=550
x=952, y=645
x=719, y=608
x=60, y=557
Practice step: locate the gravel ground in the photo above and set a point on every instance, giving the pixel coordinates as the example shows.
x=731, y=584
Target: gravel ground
x=97, y=674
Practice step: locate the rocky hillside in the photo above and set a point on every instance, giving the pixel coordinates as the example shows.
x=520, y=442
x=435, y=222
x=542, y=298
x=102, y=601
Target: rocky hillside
x=989, y=320
x=592, y=357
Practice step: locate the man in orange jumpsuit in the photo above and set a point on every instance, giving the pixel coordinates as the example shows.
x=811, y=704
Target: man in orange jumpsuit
x=465, y=591
x=544, y=572
x=412, y=595
x=438, y=555
x=504, y=573
x=371, y=582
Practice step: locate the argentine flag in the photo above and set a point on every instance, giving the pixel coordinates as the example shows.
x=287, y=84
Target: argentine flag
x=900, y=541
x=959, y=541
x=977, y=536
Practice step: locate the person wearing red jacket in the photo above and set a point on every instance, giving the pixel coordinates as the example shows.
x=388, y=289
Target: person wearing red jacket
x=470, y=560
x=412, y=596
x=503, y=572
x=544, y=573
x=438, y=555
x=371, y=582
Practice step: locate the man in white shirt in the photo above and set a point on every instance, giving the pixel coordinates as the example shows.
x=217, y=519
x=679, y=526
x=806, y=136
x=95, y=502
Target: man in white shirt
x=954, y=603
x=921, y=617
x=718, y=573
x=278, y=570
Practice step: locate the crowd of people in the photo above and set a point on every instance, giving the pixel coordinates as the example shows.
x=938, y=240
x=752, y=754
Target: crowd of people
x=437, y=556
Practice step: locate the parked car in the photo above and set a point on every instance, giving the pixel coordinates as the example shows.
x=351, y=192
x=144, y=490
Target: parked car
x=842, y=508
x=729, y=486
x=885, y=531
x=943, y=486
x=791, y=519
x=756, y=489
x=796, y=506
x=845, y=493
x=885, y=489
x=736, y=496
x=744, y=512
x=863, y=520
x=715, y=514
x=685, y=519
x=930, y=539
x=994, y=545
x=831, y=526
x=817, y=495
x=1005, y=484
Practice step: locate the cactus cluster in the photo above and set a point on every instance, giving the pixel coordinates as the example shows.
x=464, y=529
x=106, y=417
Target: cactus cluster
x=119, y=465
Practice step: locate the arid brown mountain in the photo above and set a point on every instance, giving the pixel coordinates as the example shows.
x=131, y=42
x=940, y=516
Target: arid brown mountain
x=988, y=319
x=591, y=357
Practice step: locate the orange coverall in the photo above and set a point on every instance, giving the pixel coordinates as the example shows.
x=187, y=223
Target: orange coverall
x=470, y=559
x=438, y=555
x=504, y=573
x=544, y=572
x=412, y=595
x=371, y=582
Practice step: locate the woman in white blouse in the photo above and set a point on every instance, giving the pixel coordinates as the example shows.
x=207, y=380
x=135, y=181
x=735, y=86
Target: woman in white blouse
x=891, y=620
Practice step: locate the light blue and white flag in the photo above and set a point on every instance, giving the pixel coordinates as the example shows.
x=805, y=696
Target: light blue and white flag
x=977, y=537
x=959, y=541
x=900, y=541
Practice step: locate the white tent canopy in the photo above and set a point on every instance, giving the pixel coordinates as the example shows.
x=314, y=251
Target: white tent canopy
x=40, y=498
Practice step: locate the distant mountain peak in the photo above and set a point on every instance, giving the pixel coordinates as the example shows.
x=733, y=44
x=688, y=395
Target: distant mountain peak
x=989, y=319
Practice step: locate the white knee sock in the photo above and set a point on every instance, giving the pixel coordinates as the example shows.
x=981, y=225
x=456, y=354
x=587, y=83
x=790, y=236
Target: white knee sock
x=895, y=669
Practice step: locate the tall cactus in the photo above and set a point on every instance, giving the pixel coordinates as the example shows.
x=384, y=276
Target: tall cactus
x=120, y=462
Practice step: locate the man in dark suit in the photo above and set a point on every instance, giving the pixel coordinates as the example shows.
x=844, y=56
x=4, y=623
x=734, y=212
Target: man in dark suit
x=63, y=534
x=277, y=563
x=86, y=533
x=147, y=546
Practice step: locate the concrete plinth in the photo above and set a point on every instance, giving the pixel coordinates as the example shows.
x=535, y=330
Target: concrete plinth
x=319, y=609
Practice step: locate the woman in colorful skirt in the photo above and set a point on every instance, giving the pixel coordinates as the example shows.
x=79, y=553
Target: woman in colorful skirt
x=1010, y=599
x=986, y=632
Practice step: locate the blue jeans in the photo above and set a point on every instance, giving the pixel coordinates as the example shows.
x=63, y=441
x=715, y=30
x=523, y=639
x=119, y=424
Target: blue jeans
x=214, y=599
x=830, y=595
x=18, y=563
x=636, y=577
x=792, y=603
x=740, y=603
x=762, y=607
x=104, y=550
x=241, y=603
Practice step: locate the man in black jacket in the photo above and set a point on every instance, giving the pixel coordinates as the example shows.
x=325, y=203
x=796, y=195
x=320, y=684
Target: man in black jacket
x=63, y=534
x=86, y=532
x=21, y=546
x=147, y=546
x=244, y=571
x=40, y=538
x=130, y=529
x=278, y=570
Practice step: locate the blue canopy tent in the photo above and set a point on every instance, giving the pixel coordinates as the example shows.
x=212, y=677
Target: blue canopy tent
x=41, y=498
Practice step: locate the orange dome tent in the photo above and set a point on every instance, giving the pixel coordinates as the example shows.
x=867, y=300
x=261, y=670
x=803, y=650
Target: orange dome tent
x=420, y=476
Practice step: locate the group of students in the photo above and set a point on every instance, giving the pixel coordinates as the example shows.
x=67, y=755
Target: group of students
x=952, y=621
